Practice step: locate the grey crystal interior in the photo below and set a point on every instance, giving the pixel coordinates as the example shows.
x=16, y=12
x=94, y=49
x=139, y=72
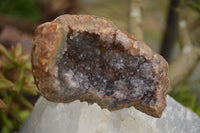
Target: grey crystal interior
x=90, y=62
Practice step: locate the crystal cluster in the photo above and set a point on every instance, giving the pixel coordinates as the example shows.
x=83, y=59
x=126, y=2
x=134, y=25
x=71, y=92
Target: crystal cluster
x=79, y=117
x=88, y=63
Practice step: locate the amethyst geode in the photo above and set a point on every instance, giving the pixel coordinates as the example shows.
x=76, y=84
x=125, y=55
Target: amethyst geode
x=87, y=58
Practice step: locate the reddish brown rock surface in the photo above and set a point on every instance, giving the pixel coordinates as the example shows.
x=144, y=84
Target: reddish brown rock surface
x=87, y=58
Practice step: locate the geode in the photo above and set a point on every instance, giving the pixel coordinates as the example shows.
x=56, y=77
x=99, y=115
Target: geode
x=86, y=58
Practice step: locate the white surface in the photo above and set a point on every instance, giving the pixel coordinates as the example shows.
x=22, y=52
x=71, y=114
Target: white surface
x=79, y=117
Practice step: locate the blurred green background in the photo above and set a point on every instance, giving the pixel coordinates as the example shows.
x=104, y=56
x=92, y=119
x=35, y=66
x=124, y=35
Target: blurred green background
x=19, y=18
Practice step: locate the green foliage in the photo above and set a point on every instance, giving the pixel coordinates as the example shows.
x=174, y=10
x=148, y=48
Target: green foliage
x=15, y=79
x=24, y=9
x=189, y=99
x=195, y=5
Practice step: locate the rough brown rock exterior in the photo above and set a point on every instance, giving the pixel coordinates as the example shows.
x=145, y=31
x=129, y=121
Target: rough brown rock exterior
x=87, y=58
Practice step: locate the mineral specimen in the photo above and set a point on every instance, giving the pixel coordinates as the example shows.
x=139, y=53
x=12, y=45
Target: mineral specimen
x=87, y=58
x=79, y=117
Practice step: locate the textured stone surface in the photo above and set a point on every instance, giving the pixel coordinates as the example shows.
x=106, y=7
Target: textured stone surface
x=79, y=117
x=87, y=58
